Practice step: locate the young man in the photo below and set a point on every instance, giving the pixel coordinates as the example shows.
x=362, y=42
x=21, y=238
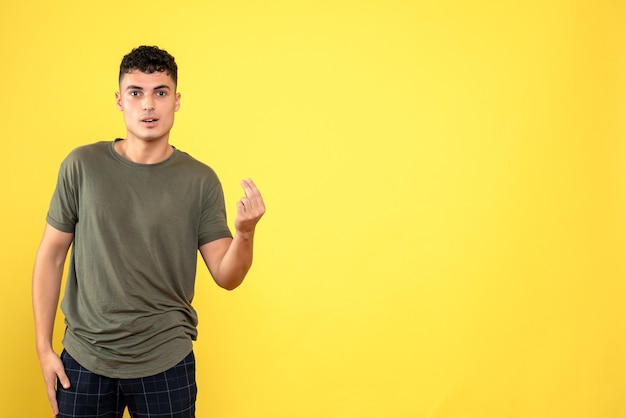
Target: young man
x=136, y=210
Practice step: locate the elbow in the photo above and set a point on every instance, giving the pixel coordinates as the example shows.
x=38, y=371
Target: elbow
x=230, y=284
x=230, y=278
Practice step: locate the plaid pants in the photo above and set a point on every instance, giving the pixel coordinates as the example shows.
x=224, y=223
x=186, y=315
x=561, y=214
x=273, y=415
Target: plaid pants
x=170, y=394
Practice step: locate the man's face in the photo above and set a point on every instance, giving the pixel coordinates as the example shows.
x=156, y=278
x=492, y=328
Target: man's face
x=148, y=102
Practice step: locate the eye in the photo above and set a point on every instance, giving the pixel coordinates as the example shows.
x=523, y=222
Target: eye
x=161, y=93
x=134, y=93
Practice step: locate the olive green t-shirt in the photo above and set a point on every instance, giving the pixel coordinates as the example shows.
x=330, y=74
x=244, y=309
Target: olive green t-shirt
x=137, y=229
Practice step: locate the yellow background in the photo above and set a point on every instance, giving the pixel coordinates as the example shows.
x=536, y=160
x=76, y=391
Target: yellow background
x=445, y=184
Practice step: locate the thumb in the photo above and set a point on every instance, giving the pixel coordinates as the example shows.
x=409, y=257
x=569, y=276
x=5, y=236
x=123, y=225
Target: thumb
x=63, y=379
x=240, y=206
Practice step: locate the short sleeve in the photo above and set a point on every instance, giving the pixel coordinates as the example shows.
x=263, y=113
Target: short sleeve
x=63, y=210
x=213, y=223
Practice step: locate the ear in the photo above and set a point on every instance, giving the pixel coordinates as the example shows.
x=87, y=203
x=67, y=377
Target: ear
x=177, y=104
x=118, y=101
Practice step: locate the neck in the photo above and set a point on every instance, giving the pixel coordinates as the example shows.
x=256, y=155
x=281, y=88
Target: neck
x=144, y=152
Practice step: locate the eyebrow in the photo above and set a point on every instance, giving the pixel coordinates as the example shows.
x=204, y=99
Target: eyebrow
x=161, y=87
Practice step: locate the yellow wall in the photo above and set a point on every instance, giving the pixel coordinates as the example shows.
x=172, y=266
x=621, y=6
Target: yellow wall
x=445, y=183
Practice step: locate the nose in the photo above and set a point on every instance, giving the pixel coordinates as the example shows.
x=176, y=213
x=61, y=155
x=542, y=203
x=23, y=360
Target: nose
x=147, y=103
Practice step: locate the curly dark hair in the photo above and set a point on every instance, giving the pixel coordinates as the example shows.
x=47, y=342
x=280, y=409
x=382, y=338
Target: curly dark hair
x=149, y=59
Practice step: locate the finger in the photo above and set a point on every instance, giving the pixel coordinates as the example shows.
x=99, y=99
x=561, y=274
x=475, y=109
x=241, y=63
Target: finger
x=52, y=398
x=241, y=207
x=252, y=192
x=250, y=188
x=65, y=381
x=53, y=404
x=249, y=205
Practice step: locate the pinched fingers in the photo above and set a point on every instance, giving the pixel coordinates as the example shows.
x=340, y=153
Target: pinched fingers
x=252, y=202
x=250, y=208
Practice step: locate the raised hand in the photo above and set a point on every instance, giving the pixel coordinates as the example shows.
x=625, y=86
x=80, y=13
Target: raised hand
x=250, y=208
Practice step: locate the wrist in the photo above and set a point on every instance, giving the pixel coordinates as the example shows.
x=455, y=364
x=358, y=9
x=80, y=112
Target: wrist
x=44, y=348
x=244, y=235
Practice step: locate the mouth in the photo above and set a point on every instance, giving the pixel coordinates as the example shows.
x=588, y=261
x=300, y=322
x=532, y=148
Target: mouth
x=149, y=122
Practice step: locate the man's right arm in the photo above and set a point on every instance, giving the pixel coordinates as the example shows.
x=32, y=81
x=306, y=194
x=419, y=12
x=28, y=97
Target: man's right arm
x=47, y=276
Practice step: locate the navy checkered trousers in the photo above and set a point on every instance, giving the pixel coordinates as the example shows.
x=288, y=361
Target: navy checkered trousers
x=170, y=394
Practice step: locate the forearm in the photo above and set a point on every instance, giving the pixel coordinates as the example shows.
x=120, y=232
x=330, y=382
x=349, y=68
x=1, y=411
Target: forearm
x=46, y=285
x=229, y=259
x=236, y=261
x=47, y=276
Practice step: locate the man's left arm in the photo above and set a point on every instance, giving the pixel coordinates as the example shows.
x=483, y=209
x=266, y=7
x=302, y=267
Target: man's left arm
x=229, y=259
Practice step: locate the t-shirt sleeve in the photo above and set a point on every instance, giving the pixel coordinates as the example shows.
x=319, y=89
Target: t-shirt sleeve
x=213, y=223
x=63, y=210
